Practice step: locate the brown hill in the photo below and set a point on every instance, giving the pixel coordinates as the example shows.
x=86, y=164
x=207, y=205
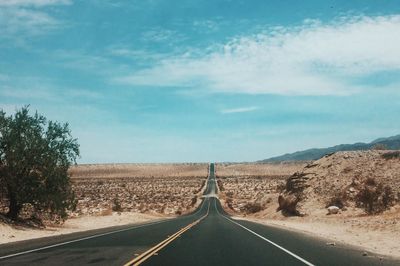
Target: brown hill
x=340, y=178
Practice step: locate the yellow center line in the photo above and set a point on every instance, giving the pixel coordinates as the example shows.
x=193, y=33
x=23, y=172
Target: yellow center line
x=150, y=252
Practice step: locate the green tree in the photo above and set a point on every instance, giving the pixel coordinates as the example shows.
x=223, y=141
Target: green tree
x=35, y=155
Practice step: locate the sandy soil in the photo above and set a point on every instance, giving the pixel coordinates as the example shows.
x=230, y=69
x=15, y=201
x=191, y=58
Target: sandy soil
x=373, y=234
x=146, y=188
x=341, y=174
x=118, y=194
x=10, y=233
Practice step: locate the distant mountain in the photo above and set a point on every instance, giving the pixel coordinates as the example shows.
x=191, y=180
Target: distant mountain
x=391, y=143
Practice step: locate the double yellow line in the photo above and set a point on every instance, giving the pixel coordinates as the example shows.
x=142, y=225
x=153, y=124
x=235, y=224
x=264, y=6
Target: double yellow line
x=147, y=254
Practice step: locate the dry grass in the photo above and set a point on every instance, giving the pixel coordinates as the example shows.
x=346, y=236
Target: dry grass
x=138, y=170
x=257, y=169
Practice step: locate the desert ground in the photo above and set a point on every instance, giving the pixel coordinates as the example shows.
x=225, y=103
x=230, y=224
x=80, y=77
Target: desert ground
x=246, y=187
x=337, y=179
x=118, y=194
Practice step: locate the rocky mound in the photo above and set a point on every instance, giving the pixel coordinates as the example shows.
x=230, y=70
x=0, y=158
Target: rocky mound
x=342, y=178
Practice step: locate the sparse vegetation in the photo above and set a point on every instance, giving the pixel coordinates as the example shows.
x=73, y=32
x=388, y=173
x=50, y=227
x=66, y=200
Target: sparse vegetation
x=220, y=185
x=391, y=155
x=243, y=192
x=194, y=200
x=252, y=207
x=288, y=205
x=116, y=205
x=375, y=197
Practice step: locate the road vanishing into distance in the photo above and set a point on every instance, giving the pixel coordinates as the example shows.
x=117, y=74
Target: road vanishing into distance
x=209, y=236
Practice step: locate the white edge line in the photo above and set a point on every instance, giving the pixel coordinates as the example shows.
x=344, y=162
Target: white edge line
x=90, y=237
x=94, y=236
x=79, y=239
x=265, y=239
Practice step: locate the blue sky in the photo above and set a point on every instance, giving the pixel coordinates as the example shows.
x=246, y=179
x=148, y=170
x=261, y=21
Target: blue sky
x=182, y=81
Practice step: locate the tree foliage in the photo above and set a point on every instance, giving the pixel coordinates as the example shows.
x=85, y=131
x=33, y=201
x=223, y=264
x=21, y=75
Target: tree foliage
x=35, y=155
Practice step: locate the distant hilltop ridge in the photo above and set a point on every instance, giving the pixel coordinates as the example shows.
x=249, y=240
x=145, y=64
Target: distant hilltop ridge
x=391, y=143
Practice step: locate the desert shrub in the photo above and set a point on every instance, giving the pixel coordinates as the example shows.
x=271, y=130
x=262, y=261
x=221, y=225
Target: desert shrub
x=229, y=203
x=370, y=181
x=391, y=155
x=116, y=205
x=252, y=207
x=193, y=202
x=387, y=197
x=220, y=185
x=288, y=205
x=374, y=197
x=296, y=183
x=229, y=194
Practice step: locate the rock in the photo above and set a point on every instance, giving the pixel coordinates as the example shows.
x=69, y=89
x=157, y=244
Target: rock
x=333, y=210
x=331, y=244
x=365, y=253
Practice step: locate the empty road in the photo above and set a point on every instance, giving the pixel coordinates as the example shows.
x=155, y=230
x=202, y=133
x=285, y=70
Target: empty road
x=206, y=237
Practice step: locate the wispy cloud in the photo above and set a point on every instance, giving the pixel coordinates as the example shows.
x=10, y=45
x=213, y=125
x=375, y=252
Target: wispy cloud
x=136, y=54
x=21, y=18
x=239, y=110
x=310, y=59
x=33, y=2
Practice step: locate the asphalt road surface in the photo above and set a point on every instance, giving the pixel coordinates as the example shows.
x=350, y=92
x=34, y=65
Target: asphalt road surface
x=206, y=237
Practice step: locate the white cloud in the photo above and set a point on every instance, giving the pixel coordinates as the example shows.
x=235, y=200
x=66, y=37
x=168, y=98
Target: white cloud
x=239, y=110
x=311, y=59
x=21, y=18
x=33, y=2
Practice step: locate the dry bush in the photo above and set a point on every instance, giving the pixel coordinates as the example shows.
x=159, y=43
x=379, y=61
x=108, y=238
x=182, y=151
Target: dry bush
x=252, y=207
x=296, y=183
x=116, y=205
x=391, y=155
x=194, y=200
x=229, y=194
x=220, y=185
x=288, y=205
x=229, y=203
x=374, y=197
x=200, y=188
